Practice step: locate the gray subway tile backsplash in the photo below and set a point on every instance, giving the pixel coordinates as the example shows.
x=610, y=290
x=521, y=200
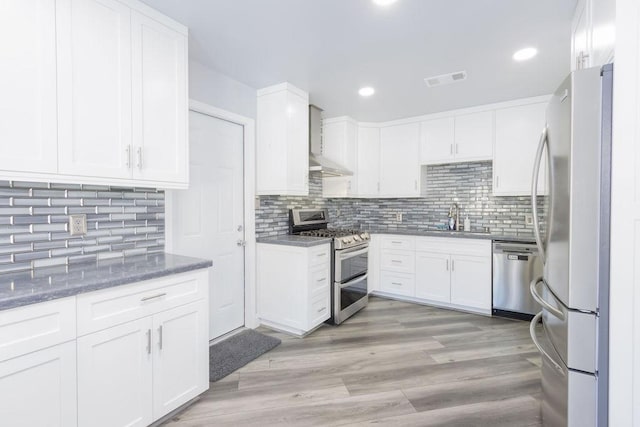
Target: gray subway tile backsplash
x=34, y=223
x=467, y=184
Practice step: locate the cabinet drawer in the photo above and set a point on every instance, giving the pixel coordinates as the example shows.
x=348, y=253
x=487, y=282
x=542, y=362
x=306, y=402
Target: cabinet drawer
x=109, y=307
x=319, y=255
x=402, y=261
x=319, y=310
x=398, y=242
x=398, y=283
x=319, y=280
x=34, y=327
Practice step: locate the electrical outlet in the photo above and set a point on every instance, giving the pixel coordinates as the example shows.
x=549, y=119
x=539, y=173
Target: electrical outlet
x=77, y=225
x=398, y=216
x=257, y=202
x=528, y=219
x=337, y=213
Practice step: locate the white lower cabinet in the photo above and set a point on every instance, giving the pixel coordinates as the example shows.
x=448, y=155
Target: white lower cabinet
x=124, y=356
x=115, y=376
x=39, y=388
x=132, y=372
x=137, y=372
x=433, y=277
x=448, y=272
x=180, y=361
x=293, y=286
x=469, y=277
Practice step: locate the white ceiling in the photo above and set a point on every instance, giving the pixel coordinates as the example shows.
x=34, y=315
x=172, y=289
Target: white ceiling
x=333, y=47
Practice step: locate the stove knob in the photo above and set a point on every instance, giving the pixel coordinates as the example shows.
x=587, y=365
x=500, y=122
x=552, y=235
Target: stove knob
x=346, y=240
x=357, y=238
x=364, y=236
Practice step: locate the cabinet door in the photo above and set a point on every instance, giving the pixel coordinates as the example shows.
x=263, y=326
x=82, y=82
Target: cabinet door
x=471, y=281
x=39, y=389
x=603, y=30
x=518, y=132
x=114, y=376
x=181, y=356
x=433, y=276
x=474, y=136
x=399, y=160
x=580, y=43
x=339, y=144
x=297, y=145
x=94, y=88
x=368, y=169
x=160, y=101
x=437, y=141
x=28, y=86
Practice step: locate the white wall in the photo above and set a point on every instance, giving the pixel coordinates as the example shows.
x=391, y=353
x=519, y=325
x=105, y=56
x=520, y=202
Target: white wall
x=221, y=91
x=624, y=348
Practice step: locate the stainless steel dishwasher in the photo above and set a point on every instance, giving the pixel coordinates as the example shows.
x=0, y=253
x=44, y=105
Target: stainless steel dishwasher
x=515, y=264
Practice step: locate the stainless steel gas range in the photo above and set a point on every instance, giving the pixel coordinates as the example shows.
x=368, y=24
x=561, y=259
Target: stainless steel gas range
x=350, y=256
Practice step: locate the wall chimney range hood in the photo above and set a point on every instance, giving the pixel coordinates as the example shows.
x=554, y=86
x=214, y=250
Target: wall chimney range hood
x=318, y=164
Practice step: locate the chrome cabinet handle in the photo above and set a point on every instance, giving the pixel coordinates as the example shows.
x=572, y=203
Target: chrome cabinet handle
x=139, y=157
x=148, y=341
x=452, y=265
x=533, y=288
x=456, y=148
x=396, y=283
x=451, y=149
x=153, y=297
x=447, y=265
x=321, y=280
x=160, y=337
x=321, y=309
x=532, y=332
x=128, y=156
x=241, y=242
x=396, y=261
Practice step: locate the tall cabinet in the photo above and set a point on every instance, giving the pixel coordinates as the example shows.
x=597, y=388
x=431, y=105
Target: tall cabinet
x=282, y=149
x=28, y=132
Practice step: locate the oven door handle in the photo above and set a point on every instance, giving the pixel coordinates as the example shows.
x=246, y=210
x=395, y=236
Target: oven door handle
x=346, y=255
x=353, y=282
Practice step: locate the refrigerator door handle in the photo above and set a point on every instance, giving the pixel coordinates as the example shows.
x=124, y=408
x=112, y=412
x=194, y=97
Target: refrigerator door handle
x=533, y=287
x=534, y=193
x=532, y=332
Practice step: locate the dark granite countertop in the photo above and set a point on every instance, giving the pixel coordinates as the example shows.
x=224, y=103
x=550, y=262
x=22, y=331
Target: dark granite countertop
x=456, y=234
x=294, y=240
x=31, y=287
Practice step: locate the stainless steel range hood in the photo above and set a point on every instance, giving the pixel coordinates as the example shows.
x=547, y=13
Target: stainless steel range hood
x=319, y=164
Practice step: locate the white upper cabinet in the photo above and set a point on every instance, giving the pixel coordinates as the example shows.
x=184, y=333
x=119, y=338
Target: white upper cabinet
x=368, y=170
x=95, y=91
x=593, y=33
x=400, y=161
x=160, y=101
x=282, y=148
x=459, y=138
x=437, y=141
x=339, y=144
x=518, y=132
x=28, y=129
x=94, y=81
x=474, y=136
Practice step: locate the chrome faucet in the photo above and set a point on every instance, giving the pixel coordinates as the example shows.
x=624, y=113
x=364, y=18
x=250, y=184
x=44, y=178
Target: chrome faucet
x=454, y=217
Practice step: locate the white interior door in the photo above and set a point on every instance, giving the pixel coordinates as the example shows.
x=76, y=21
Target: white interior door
x=208, y=218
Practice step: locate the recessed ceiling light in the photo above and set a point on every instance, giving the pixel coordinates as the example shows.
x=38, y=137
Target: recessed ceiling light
x=366, y=91
x=384, y=2
x=526, y=53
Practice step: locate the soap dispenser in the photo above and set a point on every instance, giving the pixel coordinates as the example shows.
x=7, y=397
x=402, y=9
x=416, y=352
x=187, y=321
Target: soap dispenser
x=467, y=223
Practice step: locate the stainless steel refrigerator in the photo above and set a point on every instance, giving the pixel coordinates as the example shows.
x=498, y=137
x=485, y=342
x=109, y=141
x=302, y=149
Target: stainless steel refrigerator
x=574, y=288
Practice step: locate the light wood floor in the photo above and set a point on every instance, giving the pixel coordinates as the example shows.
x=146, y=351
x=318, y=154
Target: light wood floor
x=392, y=364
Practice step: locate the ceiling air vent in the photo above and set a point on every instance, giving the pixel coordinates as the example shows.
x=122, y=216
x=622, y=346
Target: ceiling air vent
x=445, y=79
